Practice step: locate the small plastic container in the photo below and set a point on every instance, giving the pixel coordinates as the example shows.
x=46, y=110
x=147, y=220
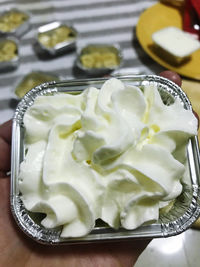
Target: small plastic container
x=185, y=210
x=99, y=59
x=9, y=54
x=56, y=37
x=14, y=22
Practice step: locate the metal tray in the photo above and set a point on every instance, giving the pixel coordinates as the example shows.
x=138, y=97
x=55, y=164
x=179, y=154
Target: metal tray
x=14, y=62
x=21, y=29
x=99, y=71
x=36, y=75
x=186, y=208
x=59, y=47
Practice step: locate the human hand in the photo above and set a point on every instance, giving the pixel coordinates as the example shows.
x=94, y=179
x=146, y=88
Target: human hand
x=16, y=249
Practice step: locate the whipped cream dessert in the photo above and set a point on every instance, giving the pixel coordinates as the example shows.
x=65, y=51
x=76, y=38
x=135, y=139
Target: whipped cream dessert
x=117, y=154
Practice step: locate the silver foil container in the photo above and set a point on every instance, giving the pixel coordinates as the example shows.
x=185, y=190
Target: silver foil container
x=14, y=62
x=38, y=75
x=21, y=29
x=184, y=212
x=60, y=47
x=99, y=71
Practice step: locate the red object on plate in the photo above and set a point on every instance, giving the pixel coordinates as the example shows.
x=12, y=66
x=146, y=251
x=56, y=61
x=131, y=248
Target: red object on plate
x=191, y=17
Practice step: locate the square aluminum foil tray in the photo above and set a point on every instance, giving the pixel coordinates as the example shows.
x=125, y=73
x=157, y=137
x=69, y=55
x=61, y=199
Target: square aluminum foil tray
x=186, y=208
x=20, y=30
x=100, y=71
x=59, y=47
x=14, y=62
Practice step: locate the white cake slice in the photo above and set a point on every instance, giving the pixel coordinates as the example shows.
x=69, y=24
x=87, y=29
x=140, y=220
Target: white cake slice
x=178, y=43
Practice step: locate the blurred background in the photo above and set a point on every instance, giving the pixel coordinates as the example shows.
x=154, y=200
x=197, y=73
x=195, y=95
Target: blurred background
x=102, y=21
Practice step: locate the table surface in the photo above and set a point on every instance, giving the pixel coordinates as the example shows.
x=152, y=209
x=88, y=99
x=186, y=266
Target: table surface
x=102, y=21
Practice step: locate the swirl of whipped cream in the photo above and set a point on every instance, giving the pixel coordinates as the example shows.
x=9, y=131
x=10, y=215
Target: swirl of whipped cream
x=116, y=153
x=51, y=181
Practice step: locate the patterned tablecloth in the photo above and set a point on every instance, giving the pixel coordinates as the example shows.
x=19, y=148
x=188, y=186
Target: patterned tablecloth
x=97, y=21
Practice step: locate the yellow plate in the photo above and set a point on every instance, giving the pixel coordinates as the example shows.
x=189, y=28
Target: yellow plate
x=156, y=18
